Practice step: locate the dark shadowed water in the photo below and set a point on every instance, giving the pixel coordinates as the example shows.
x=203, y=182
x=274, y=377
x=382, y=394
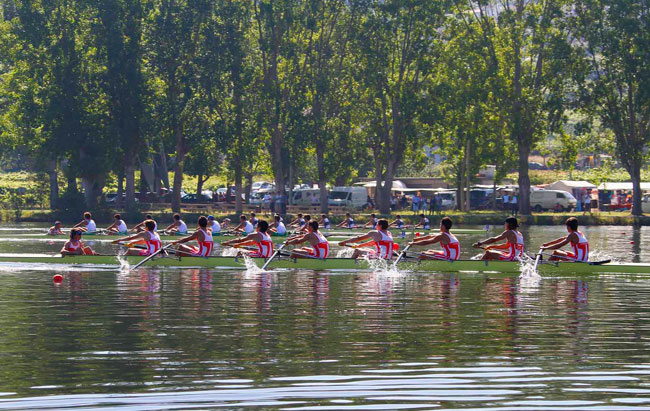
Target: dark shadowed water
x=300, y=340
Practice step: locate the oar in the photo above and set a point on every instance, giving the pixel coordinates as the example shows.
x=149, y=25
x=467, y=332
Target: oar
x=163, y=249
x=275, y=253
x=539, y=256
x=402, y=254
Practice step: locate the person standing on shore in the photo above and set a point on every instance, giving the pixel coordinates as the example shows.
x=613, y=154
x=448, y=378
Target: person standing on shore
x=515, y=206
x=506, y=202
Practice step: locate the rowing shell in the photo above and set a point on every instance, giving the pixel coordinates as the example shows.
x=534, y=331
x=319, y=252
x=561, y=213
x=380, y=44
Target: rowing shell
x=566, y=268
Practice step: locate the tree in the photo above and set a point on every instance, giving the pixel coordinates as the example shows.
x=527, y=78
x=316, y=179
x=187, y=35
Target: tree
x=613, y=76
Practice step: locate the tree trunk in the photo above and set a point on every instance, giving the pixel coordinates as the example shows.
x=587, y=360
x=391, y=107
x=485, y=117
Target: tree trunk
x=523, y=200
x=635, y=175
x=199, y=186
x=322, y=178
x=386, y=190
x=88, y=185
x=248, y=187
x=178, y=169
x=54, y=185
x=468, y=196
x=120, y=191
x=130, y=185
x=239, y=208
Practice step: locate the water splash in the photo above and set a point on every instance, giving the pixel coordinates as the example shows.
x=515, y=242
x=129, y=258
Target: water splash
x=529, y=279
x=345, y=252
x=251, y=267
x=599, y=255
x=121, y=259
x=229, y=252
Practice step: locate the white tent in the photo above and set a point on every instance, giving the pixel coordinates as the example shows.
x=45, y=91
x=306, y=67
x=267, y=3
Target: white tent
x=570, y=186
x=622, y=186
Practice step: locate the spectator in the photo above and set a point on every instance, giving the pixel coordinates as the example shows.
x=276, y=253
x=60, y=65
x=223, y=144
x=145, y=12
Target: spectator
x=506, y=202
x=586, y=202
x=272, y=204
x=423, y=204
x=515, y=206
x=415, y=203
x=403, y=201
x=438, y=199
x=393, y=202
x=267, y=201
x=558, y=207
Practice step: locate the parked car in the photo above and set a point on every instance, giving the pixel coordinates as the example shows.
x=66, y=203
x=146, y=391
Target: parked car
x=549, y=199
x=534, y=165
x=356, y=197
x=480, y=198
x=309, y=196
x=111, y=198
x=193, y=199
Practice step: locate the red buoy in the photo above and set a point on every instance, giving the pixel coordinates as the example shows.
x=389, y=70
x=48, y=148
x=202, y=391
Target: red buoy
x=57, y=278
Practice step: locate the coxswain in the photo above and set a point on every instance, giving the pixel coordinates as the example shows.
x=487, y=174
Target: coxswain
x=324, y=222
x=398, y=223
x=374, y=244
x=448, y=242
x=140, y=227
x=372, y=223
x=277, y=227
x=149, y=238
x=118, y=226
x=577, y=240
x=424, y=223
x=260, y=239
x=254, y=219
x=214, y=226
x=348, y=222
x=87, y=225
x=513, y=248
x=55, y=229
x=320, y=248
x=298, y=222
x=244, y=226
x=178, y=227
x=74, y=246
x=202, y=236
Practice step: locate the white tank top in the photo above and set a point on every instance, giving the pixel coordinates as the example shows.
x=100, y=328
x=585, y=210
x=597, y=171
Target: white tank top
x=215, y=227
x=281, y=229
x=91, y=226
x=182, y=227
x=121, y=227
x=248, y=228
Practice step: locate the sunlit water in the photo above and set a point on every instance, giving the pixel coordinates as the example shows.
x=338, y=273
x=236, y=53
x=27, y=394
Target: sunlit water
x=300, y=340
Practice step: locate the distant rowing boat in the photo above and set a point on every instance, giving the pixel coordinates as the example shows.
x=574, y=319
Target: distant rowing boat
x=561, y=268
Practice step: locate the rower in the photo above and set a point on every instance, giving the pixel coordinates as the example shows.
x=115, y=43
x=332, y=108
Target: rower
x=513, y=248
x=149, y=237
x=320, y=248
x=87, y=224
x=254, y=219
x=381, y=243
x=202, y=236
x=214, y=225
x=424, y=223
x=260, y=239
x=74, y=246
x=348, y=222
x=324, y=222
x=298, y=222
x=225, y=223
x=178, y=227
x=303, y=229
x=118, y=226
x=372, y=222
x=277, y=228
x=244, y=226
x=55, y=229
x=448, y=242
x=141, y=227
x=398, y=223
x=577, y=240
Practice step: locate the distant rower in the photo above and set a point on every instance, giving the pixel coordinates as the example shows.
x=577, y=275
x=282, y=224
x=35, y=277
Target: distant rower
x=260, y=239
x=277, y=228
x=298, y=222
x=87, y=224
x=320, y=248
x=577, y=240
x=140, y=227
x=449, y=243
x=512, y=249
x=348, y=222
x=55, y=229
x=424, y=223
x=398, y=223
x=324, y=222
x=303, y=229
x=254, y=219
x=74, y=246
x=381, y=243
x=202, y=236
x=149, y=237
x=244, y=226
x=118, y=226
x=177, y=227
x=214, y=225
x=372, y=222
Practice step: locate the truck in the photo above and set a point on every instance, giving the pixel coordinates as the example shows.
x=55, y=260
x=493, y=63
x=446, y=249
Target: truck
x=350, y=197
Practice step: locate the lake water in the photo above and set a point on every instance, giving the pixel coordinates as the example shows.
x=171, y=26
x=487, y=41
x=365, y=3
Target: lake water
x=301, y=340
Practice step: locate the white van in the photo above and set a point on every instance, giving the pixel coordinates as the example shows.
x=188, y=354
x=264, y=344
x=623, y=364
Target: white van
x=356, y=197
x=308, y=197
x=548, y=199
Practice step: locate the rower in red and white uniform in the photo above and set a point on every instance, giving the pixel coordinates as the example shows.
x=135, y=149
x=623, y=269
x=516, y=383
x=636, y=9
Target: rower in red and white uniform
x=118, y=226
x=202, y=236
x=55, y=229
x=372, y=222
x=74, y=246
x=320, y=248
x=178, y=227
x=348, y=222
x=578, y=242
x=374, y=244
x=87, y=225
x=449, y=243
x=260, y=240
x=513, y=248
x=149, y=238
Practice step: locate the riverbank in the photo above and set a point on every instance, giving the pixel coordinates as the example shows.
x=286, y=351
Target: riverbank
x=460, y=218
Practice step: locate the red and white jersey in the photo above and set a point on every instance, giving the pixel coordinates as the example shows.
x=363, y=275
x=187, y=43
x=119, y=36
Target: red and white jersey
x=205, y=247
x=514, y=250
x=451, y=250
x=74, y=246
x=385, y=245
x=264, y=247
x=322, y=249
x=153, y=243
x=581, y=248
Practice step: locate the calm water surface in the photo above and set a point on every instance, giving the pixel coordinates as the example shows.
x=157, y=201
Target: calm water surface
x=300, y=340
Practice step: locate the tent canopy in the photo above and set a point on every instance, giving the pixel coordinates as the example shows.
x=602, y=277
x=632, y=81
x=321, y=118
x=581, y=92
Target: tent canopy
x=622, y=186
x=569, y=185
